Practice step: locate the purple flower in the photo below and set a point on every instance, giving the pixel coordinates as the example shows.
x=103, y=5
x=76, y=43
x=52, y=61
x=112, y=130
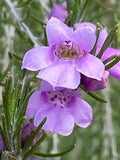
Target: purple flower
x=115, y=70
x=62, y=107
x=66, y=57
x=93, y=84
x=59, y=11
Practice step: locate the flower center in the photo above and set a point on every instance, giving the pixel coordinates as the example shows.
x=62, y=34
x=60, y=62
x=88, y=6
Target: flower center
x=68, y=50
x=58, y=98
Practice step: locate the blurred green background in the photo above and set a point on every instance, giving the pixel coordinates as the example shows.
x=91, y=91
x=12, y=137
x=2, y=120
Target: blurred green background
x=101, y=140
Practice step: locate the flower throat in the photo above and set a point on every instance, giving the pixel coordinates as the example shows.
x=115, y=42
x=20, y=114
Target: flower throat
x=68, y=50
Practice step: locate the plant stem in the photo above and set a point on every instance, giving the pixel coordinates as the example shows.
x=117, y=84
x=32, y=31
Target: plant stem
x=22, y=25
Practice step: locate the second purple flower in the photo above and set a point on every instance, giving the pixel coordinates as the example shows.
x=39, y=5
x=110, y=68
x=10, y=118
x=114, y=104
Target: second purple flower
x=62, y=107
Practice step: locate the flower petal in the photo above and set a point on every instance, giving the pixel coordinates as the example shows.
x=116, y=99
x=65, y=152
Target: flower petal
x=86, y=24
x=61, y=75
x=81, y=111
x=36, y=102
x=91, y=66
x=85, y=38
x=93, y=84
x=103, y=34
x=45, y=86
x=115, y=71
x=57, y=31
x=51, y=117
x=37, y=58
x=64, y=122
x=58, y=120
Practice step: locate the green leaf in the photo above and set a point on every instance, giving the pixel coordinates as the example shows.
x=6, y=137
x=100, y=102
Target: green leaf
x=38, y=154
x=108, y=40
x=110, y=59
x=4, y=133
x=34, y=147
x=7, y=99
x=7, y=156
x=98, y=30
x=18, y=127
x=17, y=56
x=15, y=97
x=24, y=3
x=25, y=89
x=68, y=19
x=50, y=3
x=69, y=5
x=45, y=36
x=76, y=9
x=37, y=20
x=19, y=141
x=95, y=96
x=5, y=72
x=84, y=10
x=22, y=110
x=114, y=62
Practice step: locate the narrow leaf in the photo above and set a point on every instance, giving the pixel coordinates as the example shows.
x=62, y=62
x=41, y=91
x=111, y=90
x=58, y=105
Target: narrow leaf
x=22, y=110
x=34, y=147
x=93, y=95
x=17, y=94
x=98, y=29
x=17, y=56
x=7, y=99
x=37, y=20
x=18, y=127
x=114, y=62
x=84, y=9
x=110, y=59
x=4, y=133
x=5, y=72
x=69, y=5
x=38, y=154
x=108, y=40
x=45, y=36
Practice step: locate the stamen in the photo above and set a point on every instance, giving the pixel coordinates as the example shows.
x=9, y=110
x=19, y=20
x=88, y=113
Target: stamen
x=68, y=50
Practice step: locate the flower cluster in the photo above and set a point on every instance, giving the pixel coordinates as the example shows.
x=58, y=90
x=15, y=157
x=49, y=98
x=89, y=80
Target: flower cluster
x=65, y=64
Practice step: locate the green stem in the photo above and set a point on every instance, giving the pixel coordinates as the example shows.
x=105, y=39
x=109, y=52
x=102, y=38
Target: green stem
x=22, y=25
